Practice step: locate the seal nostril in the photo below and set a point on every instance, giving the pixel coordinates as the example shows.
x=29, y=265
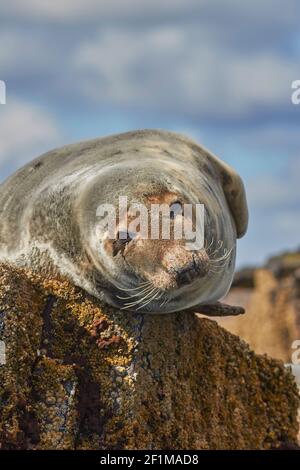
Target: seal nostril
x=196, y=269
x=185, y=277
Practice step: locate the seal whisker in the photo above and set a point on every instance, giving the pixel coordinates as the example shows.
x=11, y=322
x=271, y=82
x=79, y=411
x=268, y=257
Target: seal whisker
x=213, y=270
x=143, y=284
x=208, y=248
x=148, y=301
x=165, y=301
x=131, y=304
x=225, y=256
x=216, y=271
x=138, y=294
x=219, y=266
x=219, y=246
x=160, y=296
x=219, y=262
x=125, y=307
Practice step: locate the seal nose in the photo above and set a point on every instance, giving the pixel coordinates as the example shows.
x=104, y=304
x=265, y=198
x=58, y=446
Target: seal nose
x=197, y=269
x=185, y=266
x=185, y=276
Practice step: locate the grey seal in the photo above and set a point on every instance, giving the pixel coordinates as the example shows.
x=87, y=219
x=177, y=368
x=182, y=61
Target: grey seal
x=48, y=220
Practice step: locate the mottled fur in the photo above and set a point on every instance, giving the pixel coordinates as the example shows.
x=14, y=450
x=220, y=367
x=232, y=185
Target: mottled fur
x=48, y=215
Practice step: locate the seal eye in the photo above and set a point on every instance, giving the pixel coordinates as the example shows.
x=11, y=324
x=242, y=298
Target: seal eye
x=175, y=209
x=120, y=243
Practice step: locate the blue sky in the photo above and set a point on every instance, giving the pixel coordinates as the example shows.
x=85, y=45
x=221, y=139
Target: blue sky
x=219, y=71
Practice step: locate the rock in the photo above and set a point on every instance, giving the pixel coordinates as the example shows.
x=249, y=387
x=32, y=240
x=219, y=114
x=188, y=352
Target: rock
x=272, y=321
x=284, y=264
x=80, y=376
x=244, y=278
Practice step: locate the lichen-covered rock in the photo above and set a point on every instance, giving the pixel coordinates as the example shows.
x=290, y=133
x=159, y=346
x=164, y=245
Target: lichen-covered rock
x=80, y=376
x=272, y=322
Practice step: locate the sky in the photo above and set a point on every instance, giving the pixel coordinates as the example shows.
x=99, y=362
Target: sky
x=218, y=71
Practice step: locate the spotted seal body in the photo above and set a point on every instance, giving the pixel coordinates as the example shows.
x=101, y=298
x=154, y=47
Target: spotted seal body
x=49, y=222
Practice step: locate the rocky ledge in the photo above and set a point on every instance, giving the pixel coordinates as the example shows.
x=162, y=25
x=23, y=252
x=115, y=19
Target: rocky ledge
x=76, y=375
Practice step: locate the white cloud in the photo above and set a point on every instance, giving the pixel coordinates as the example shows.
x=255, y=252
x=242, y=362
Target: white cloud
x=274, y=203
x=257, y=13
x=21, y=51
x=278, y=193
x=25, y=132
x=287, y=223
x=195, y=58
x=70, y=10
x=176, y=69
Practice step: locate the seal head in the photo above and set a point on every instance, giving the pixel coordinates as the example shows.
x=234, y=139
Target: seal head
x=52, y=207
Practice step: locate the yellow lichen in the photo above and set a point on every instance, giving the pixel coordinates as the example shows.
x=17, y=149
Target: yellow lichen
x=79, y=375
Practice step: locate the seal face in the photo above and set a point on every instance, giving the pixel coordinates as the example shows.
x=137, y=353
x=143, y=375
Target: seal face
x=50, y=220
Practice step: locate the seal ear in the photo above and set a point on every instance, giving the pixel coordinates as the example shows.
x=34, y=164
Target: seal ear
x=235, y=194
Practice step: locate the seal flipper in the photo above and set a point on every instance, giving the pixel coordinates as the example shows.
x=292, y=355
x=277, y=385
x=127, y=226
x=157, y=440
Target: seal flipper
x=218, y=309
